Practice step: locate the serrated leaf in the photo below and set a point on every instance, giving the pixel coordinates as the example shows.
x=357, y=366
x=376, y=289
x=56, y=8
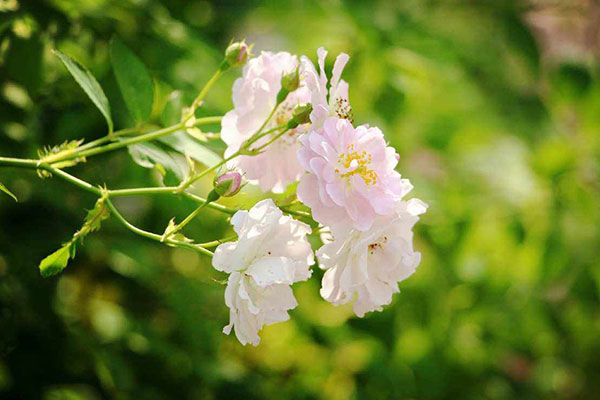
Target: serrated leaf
x=93, y=219
x=133, y=79
x=157, y=155
x=55, y=262
x=191, y=147
x=8, y=192
x=89, y=84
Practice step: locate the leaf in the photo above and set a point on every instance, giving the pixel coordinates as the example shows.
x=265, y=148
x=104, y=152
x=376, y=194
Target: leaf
x=55, y=262
x=89, y=84
x=93, y=219
x=191, y=147
x=171, y=114
x=157, y=155
x=133, y=79
x=8, y=192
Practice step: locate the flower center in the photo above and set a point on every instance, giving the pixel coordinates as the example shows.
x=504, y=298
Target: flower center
x=373, y=247
x=356, y=163
x=343, y=110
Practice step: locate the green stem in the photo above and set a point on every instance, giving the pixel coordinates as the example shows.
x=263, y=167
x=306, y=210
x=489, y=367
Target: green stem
x=91, y=150
x=217, y=242
x=202, y=95
x=154, y=236
x=215, y=206
x=35, y=164
x=274, y=138
x=297, y=213
x=171, y=190
x=186, y=221
x=18, y=162
x=195, y=178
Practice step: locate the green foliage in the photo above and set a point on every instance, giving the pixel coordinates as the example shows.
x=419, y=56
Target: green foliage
x=89, y=84
x=185, y=144
x=56, y=262
x=8, y=192
x=93, y=220
x=133, y=79
x=154, y=155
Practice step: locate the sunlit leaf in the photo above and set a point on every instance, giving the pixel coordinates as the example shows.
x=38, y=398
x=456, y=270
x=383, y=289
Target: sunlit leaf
x=133, y=79
x=55, y=262
x=157, y=155
x=89, y=84
x=191, y=147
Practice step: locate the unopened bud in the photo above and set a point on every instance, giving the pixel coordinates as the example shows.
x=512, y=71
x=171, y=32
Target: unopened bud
x=236, y=55
x=228, y=184
x=300, y=115
x=289, y=82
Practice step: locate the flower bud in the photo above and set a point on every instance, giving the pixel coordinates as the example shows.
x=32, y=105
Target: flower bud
x=236, y=55
x=289, y=83
x=291, y=80
x=228, y=184
x=300, y=115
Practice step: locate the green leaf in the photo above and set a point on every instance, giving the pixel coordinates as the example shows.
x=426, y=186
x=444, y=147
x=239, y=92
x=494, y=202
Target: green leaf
x=171, y=114
x=93, y=219
x=8, y=192
x=89, y=84
x=56, y=262
x=133, y=79
x=191, y=147
x=157, y=155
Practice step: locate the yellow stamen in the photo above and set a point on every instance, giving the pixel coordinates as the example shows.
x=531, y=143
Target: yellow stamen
x=363, y=159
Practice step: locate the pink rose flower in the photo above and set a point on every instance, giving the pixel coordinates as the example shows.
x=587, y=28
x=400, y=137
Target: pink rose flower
x=254, y=96
x=351, y=178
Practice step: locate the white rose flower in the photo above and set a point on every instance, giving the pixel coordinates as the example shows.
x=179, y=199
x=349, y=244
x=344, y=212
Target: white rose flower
x=271, y=253
x=371, y=263
x=254, y=96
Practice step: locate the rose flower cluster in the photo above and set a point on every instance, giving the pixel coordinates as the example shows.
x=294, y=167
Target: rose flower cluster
x=346, y=177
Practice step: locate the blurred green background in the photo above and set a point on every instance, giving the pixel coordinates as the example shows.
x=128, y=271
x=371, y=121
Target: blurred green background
x=494, y=107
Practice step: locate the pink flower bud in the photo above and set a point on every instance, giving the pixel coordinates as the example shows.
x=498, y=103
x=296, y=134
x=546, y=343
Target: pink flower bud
x=228, y=184
x=237, y=54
